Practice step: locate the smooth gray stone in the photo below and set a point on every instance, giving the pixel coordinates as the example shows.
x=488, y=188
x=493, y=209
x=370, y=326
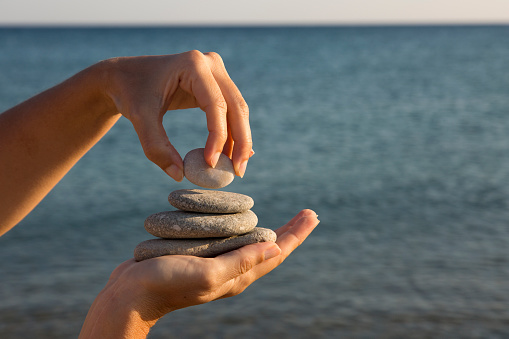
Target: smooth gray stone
x=200, y=247
x=197, y=171
x=180, y=224
x=210, y=201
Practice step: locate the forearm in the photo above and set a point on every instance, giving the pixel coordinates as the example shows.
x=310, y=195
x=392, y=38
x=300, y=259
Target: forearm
x=43, y=137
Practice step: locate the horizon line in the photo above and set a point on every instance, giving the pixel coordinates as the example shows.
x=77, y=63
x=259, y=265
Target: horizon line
x=252, y=25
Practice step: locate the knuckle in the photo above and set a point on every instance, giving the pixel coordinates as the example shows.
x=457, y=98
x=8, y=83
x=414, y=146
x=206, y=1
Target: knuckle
x=243, y=109
x=244, y=144
x=221, y=133
x=246, y=264
x=248, y=144
x=194, y=58
x=194, y=54
x=216, y=58
x=221, y=104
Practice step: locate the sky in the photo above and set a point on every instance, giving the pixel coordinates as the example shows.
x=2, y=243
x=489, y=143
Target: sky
x=252, y=12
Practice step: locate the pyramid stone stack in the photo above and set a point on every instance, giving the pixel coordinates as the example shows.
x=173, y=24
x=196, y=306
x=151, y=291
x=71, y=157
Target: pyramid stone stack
x=207, y=222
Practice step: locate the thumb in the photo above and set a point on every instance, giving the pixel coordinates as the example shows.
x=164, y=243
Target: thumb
x=242, y=260
x=157, y=147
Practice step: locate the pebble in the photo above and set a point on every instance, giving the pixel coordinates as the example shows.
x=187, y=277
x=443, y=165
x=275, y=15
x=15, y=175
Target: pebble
x=180, y=224
x=207, y=201
x=197, y=171
x=200, y=247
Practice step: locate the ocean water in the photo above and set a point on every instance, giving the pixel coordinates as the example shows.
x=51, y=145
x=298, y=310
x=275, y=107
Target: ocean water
x=398, y=137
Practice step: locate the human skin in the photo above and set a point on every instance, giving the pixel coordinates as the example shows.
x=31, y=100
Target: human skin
x=140, y=293
x=43, y=137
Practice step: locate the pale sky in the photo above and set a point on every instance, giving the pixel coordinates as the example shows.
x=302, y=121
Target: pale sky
x=244, y=12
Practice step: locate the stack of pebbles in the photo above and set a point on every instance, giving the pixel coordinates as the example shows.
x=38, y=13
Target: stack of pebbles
x=207, y=222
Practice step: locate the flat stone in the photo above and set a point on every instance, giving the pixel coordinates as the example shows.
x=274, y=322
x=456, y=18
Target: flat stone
x=210, y=201
x=197, y=171
x=200, y=247
x=180, y=224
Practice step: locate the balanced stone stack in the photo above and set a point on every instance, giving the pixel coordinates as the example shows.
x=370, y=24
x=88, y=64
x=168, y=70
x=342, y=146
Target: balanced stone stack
x=208, y=223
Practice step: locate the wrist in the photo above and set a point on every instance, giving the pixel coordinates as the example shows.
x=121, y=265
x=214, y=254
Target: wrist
x=103, y=75
x=117, y=313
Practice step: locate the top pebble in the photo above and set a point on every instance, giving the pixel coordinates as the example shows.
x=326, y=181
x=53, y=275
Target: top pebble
x=197, y=171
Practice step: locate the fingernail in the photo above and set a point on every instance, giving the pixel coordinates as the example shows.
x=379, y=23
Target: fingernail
x=272, y=252
x=175, y=172
x=215, y=159
x=242, y=168
x=251, y=153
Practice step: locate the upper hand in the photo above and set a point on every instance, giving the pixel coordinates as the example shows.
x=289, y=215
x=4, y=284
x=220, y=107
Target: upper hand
x=144, y=88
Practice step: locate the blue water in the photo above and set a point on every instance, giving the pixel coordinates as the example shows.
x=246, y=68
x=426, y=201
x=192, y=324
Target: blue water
x=398, y=137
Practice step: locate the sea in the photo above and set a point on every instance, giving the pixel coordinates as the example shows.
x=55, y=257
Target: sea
x=397, y=136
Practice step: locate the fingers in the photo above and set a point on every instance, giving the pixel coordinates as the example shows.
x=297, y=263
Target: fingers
x=236, y=263
x=296, y=234
x=237, y=116
x=253, y=261
x=157, y=147
x=145, y=88
x=228, y=146
x=184, y=281
x=197, y=80
x=297, y=231
x=303, y=213
x=289, y=238
x=205, y=79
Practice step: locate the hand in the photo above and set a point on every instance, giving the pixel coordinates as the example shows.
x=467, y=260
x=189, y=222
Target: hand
x=154, y=287
x=143, y=89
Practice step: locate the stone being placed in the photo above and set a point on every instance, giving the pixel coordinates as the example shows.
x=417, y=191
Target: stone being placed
x=197, y=171
x=180, y=224
x=209, y=201
x=200, y=247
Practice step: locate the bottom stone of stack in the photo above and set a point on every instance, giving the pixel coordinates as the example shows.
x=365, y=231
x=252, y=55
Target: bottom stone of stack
x=207, y=248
